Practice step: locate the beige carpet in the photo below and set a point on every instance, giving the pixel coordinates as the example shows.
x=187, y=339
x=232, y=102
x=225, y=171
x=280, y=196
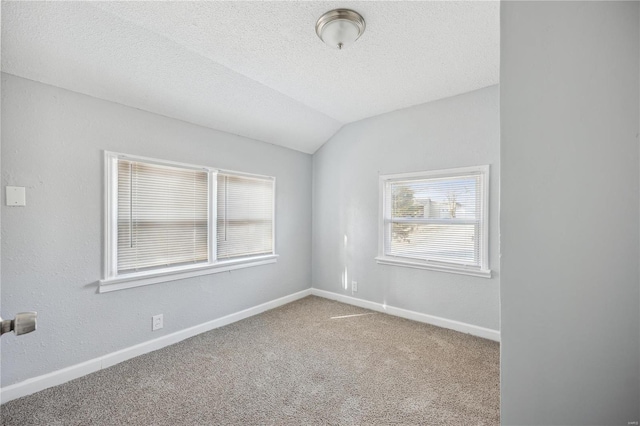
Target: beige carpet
x=296, y=365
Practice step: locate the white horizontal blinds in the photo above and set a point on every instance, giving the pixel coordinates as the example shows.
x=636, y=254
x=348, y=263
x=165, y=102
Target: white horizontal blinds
x=245, y=216
x=436, y=219
x=162, y=216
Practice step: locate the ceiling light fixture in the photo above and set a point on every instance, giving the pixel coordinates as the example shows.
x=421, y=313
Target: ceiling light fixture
x=340, y=27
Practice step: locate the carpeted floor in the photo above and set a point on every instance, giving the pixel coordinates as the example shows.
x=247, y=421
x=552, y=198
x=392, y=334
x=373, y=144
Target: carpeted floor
x=313, y=361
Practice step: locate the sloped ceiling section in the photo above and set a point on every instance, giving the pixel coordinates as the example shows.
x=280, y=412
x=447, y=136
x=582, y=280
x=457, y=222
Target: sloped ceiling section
x=255, y=69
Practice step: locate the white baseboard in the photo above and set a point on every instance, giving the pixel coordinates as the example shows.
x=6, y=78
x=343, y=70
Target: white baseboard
x=474, y=330
x=64, y=375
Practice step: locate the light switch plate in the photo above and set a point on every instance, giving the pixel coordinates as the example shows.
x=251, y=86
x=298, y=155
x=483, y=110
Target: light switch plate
x=16, y=196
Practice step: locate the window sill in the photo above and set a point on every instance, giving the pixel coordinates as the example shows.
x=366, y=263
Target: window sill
x=146, y=278
x=483, y=273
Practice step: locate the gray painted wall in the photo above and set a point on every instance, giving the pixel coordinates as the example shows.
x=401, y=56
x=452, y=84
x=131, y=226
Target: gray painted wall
x=52, y=142
x=570, y=284
x=454, y=132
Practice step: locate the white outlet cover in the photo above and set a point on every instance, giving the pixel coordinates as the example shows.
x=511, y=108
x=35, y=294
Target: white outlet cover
x=156, y=322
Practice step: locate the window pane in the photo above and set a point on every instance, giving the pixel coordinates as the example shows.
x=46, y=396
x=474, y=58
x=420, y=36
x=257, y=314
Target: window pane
x=455, y=243
x=162, y=216
x=451, y=198
x=245, y=216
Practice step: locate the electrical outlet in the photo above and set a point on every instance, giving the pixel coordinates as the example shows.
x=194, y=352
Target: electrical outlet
x=156, y=322
x=354, y=286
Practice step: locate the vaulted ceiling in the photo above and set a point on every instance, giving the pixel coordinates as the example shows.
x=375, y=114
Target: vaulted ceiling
x=255, y=69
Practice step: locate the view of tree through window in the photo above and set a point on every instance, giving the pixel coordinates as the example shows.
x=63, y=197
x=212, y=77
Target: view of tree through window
x=404, y=205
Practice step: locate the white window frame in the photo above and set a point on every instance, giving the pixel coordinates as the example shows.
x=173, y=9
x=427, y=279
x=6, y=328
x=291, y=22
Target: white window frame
x=384, y=217
x=113, y=281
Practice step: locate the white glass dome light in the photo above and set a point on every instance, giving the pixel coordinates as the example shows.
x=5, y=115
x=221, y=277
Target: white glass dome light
x=340, y=27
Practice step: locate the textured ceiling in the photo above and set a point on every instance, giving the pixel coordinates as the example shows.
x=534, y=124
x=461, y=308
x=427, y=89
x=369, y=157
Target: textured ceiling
x=256, y=69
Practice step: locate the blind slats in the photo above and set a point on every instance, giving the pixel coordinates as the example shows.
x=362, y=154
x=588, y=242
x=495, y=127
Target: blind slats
x=245, y=216
x=162, y=216
x=435, y=219
x=163, y=211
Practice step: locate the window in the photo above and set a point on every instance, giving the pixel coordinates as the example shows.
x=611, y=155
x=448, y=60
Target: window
x=245, y=216
x=436, y=220
x=162, y=216
x=167, y=221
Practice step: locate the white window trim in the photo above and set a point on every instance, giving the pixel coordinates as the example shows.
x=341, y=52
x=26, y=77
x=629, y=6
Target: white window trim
x=181, y=272
x=113, y=281
x=383, y=259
